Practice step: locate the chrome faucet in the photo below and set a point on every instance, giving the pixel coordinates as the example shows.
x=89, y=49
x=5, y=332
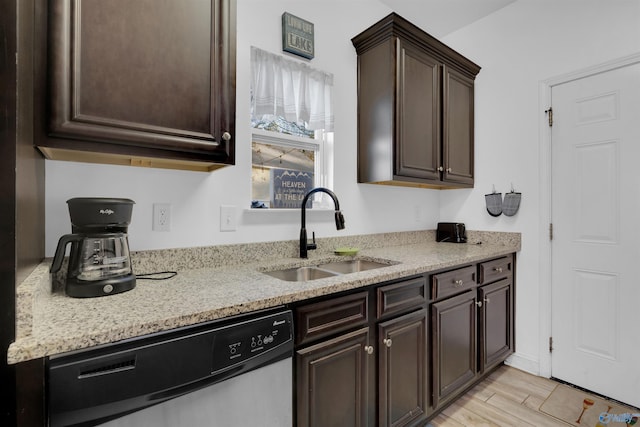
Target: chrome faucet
x=304, y=245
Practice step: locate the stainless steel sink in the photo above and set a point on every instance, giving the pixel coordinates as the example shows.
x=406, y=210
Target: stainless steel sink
x=329, y=269
x=351, y=266
x=300, y=274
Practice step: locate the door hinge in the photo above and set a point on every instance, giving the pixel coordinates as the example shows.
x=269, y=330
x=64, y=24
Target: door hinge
x=549, y=113
x=551, y=231
x=550, y=344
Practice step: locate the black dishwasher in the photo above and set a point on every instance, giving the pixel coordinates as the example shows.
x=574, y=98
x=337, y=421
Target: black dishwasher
x=211, y=374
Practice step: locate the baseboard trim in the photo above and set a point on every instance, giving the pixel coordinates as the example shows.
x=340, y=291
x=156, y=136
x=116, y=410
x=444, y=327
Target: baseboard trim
x=524, y=363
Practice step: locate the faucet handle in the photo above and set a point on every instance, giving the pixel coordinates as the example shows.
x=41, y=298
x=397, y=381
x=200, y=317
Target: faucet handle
x=339, y=220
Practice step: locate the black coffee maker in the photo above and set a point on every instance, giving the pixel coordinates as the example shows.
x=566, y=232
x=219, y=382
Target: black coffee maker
x=99, y=261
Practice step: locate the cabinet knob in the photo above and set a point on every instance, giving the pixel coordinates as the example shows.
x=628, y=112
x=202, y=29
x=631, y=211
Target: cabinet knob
x=440, y=168
x=226, y=136
x=479, y=303
x=458, y=283
x=368, y=349
x=498, y=269
x=387, y=342
x=487, y=300
x=449, y=170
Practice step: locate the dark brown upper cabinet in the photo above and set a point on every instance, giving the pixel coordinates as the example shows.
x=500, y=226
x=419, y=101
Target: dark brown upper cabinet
x=139, y=82
x=415, y=108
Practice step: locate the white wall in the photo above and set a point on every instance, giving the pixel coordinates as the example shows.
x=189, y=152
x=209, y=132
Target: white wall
x=196, y=197
x=518, y=47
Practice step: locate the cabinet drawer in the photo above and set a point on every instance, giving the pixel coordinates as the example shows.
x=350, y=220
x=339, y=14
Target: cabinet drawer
x=452, y=282
x=325, y=318
x=402, y=296
x=496, y=269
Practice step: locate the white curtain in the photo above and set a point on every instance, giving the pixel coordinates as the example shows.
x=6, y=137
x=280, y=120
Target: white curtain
x=291, y=89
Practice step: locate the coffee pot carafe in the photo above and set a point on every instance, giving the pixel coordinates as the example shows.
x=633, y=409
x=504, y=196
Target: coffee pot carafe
x=99, y=260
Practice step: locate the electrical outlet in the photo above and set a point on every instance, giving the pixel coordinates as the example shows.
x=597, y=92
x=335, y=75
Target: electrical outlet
x=161, y=217
x=227, y=218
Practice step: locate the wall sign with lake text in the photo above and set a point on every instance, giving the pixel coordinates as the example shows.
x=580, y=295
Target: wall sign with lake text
x=297, y=36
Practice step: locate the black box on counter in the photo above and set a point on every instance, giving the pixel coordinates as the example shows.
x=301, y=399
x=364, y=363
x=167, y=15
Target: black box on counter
x=454, y=232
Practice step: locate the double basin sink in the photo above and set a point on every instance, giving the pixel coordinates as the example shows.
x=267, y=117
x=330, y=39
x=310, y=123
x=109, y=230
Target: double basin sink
x=328, y=269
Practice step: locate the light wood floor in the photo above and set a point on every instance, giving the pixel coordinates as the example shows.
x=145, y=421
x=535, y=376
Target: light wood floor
x=508, y=397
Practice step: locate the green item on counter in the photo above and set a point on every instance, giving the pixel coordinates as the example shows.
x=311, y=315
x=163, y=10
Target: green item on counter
x=346, y=251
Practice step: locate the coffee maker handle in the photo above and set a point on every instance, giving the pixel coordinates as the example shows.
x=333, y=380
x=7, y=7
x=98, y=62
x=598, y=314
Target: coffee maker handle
x=62, y=245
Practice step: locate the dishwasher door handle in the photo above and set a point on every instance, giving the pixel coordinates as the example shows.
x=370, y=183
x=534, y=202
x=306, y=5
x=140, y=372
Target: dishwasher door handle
x=193, y=386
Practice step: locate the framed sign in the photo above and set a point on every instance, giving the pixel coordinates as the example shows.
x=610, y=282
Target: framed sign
x=288, y=188
x=297, y=36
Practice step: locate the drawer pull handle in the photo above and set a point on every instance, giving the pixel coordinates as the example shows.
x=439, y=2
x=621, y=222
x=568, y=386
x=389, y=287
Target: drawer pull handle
x=458, y=283
x=479, y=303
x=368, y=349
x=387, y=342
x=498, y=269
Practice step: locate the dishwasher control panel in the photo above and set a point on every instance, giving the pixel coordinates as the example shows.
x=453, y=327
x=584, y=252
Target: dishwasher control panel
x=244, y=341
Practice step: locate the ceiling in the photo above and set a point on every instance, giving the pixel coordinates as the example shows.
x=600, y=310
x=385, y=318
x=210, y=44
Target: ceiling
x=441, y=17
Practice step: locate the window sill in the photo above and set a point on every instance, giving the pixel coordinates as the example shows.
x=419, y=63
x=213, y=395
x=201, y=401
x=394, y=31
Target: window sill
x=287, y=215
x=311, y=211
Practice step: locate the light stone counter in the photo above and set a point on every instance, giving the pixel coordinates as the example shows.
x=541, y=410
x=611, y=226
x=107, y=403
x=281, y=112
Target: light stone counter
x=221, y=281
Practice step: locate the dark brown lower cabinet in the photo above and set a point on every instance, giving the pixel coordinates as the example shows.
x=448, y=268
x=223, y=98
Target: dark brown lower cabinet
x=332, y=381
x=453, y=323
x=352, y=345
x=395, y=355
x=496, y=323
x=402, y=370
x=472, y=331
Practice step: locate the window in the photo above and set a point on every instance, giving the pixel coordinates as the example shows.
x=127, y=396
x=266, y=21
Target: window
x=292, y=124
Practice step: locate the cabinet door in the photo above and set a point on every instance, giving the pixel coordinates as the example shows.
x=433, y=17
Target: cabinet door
x=457, y=127
x=453, y=323
x=496, y=323
x=402, y=370
x=131, y=76
x=332, y=381
x=418, y=114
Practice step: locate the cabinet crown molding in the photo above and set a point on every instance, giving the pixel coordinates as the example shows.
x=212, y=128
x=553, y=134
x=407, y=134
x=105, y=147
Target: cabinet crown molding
x=394, y=25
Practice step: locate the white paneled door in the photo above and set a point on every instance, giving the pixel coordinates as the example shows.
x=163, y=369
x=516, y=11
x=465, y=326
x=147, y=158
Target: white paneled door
x=596, y=233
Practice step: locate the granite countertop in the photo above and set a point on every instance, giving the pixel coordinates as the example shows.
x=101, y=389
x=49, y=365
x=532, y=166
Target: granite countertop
x=50, y=323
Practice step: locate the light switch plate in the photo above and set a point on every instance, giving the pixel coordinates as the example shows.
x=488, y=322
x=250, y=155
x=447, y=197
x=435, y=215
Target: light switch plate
x=227, y=218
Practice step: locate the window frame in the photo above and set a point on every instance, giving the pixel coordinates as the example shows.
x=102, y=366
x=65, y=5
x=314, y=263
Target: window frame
x=321, y=144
